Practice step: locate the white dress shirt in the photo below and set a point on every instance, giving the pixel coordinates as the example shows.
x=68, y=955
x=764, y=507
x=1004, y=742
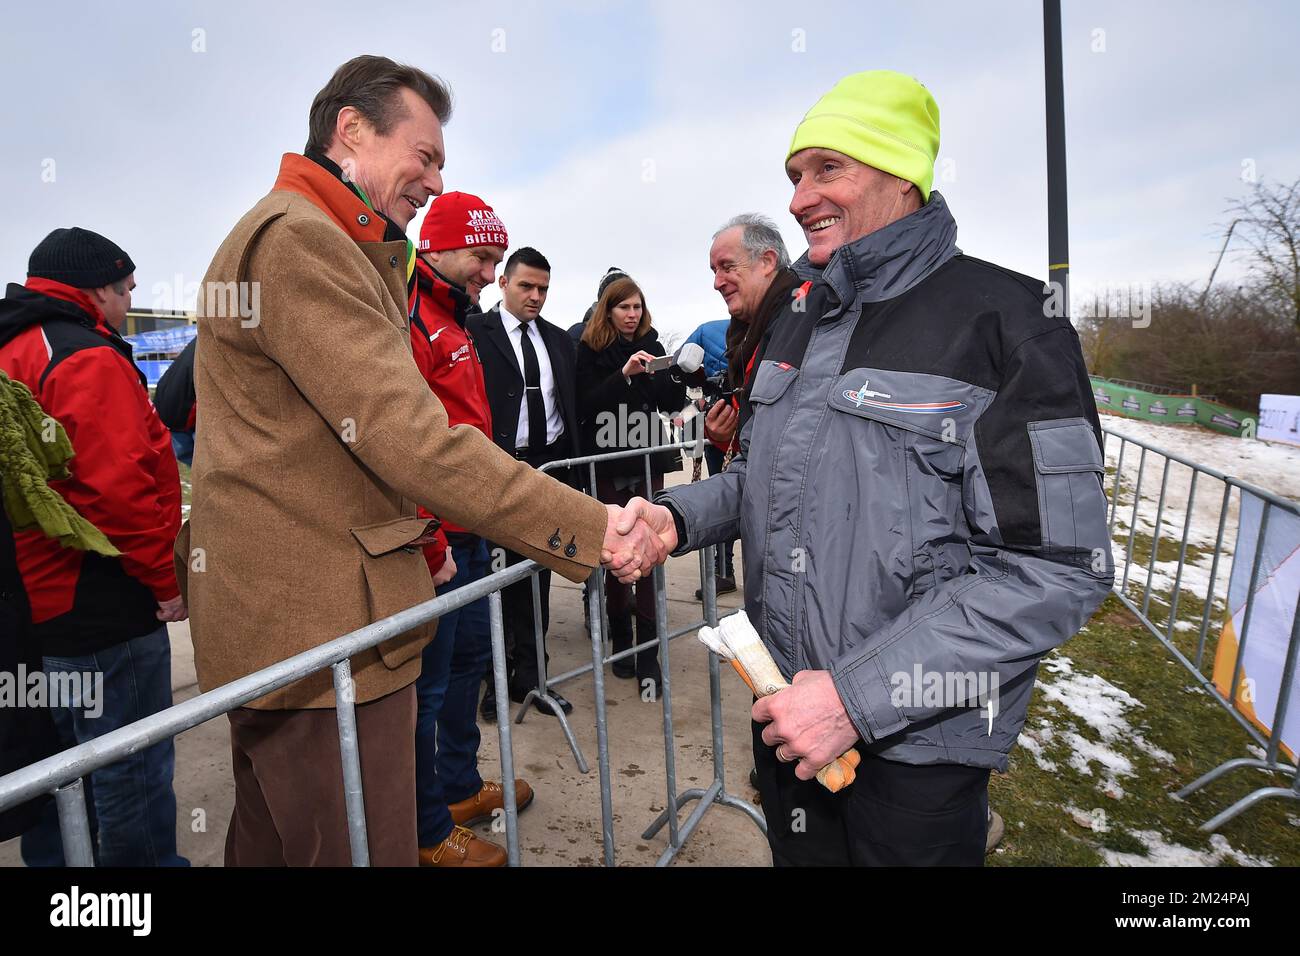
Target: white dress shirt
x=515, y=329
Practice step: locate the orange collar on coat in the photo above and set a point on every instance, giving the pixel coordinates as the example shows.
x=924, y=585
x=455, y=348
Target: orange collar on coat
x=322, y=189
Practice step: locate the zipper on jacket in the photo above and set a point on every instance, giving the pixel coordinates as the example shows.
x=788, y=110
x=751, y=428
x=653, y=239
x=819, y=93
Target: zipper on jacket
x=796, y=608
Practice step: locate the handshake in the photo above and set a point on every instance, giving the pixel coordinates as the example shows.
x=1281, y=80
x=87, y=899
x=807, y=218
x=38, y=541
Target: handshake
x=638, y=536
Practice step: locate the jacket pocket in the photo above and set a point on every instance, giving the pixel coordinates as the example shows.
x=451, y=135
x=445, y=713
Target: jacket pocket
x=1071, y=502
x=771, y=382
x=388, y=536
x=397, y=578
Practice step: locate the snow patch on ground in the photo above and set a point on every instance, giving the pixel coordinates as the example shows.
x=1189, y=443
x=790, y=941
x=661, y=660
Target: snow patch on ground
x=1102, y=706
x=1271, y=465
x=1162, y=853
x=1035, y=749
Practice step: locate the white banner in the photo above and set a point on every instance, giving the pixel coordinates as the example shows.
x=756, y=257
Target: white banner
x=1279, y=418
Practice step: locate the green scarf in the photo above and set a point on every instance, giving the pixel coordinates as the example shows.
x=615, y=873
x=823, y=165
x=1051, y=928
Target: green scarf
x=34, y=450
x=410, y=246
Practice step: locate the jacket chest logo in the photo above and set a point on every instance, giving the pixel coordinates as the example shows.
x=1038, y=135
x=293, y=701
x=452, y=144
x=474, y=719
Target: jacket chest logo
x=866, y=396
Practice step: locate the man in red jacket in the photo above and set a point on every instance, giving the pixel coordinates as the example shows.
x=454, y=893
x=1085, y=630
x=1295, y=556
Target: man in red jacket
x=95, y=615
x=461, y=243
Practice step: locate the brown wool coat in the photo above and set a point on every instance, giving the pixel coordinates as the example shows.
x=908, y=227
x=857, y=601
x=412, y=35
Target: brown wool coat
x=316, y=438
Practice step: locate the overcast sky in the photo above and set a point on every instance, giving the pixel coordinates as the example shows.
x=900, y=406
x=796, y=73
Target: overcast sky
x=625, y=133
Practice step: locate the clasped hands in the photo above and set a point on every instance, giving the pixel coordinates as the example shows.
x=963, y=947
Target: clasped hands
x=638, y=536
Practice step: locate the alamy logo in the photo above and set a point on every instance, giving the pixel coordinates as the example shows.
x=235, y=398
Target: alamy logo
x=867, y=396
x=78, y=690
x=103, y=909
x=947, y=689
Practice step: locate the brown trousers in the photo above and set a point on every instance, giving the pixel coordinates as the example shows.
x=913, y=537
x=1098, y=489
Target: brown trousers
x=289, y=806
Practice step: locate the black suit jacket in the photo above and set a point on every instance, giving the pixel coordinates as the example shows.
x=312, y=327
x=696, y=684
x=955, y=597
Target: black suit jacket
x=505, y=380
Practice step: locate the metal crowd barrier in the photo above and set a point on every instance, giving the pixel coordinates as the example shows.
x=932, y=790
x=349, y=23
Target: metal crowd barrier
x=62, y=773
x=716, y=792
x=1137, y=597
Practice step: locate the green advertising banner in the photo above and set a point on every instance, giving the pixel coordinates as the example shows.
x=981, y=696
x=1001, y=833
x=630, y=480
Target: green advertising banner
x=1171, y=409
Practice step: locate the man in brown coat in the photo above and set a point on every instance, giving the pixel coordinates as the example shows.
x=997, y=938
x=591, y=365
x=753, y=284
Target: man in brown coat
x=317, y=440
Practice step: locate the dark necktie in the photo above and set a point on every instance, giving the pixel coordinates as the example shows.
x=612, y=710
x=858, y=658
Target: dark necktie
x=533, y=390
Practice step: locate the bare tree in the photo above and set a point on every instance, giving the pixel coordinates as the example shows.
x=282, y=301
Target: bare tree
x=1270, y=226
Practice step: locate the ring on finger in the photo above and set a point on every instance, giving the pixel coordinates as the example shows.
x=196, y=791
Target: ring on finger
x=784, y=757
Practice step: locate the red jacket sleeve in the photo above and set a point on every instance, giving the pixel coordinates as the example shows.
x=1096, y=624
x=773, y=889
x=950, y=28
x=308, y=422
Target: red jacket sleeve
x=435, y=555
x=124, y=477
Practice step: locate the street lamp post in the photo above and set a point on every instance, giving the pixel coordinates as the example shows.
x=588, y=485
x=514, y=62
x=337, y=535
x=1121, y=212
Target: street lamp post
x=1058, y=228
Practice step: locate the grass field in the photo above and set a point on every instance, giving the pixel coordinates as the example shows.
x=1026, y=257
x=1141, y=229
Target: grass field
x=1117, y=726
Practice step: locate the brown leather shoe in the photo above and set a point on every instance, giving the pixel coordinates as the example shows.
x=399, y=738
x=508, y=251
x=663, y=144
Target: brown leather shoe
x=463, y=848
x=479, y=808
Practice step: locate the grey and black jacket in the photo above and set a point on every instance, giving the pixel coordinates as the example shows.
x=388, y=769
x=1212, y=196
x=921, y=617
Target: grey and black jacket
x=918, y=492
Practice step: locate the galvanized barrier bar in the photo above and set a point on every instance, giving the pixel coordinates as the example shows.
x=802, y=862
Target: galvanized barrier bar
x=45, y=775
x=74, y=824
x=1284, y=691
x=666, y=699
x=345, y=696
x=68, y=766
x=1250, y=601
x=1182, y=554
x=1114, y=497
x=544, y=684
x=595, y=609
x=1155, y=538
x=499, y=683
x=1132, y=523
x=1271, y=739
x=1214, y=575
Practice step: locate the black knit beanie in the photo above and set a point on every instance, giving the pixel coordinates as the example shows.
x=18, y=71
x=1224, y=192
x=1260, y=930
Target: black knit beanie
x=79, y=258
x=612, y=274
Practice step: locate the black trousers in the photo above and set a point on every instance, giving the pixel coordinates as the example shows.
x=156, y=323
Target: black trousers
x=893, y=814
x=517, y=600
x=517, y=619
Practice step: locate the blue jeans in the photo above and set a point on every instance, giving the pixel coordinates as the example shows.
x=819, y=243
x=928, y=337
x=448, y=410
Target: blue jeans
x=446, y=722
x=130, y=803
x=183, y=447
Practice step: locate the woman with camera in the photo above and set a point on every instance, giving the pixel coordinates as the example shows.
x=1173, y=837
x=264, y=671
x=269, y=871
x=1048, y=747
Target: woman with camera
x=619, y=406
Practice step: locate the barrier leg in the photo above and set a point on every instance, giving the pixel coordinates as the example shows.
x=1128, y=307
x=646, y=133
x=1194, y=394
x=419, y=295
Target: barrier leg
x=542, y=690
x=595, y=607
x=503, y=726
x=716, y=792
x=666, y=699
x=345, y=695
x=74, y=825
x=1245, y=803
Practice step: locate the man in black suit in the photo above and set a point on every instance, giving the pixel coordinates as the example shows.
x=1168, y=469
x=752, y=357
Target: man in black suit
x=528, y=368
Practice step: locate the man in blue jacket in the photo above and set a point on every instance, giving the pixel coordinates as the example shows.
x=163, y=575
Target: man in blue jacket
x=919, y=494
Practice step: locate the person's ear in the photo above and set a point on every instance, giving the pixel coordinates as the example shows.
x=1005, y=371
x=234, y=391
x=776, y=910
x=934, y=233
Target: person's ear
x=348, y=126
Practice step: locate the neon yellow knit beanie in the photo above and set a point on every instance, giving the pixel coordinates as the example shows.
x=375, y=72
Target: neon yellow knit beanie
x=884, y=119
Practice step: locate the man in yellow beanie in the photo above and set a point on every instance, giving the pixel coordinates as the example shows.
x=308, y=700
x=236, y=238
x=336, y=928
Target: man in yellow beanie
x=918, y=495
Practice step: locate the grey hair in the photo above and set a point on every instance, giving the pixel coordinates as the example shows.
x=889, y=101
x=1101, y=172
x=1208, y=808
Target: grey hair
x=758, y=234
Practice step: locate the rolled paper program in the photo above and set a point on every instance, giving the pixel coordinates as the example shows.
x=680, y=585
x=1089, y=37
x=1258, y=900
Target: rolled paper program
x=735, y=640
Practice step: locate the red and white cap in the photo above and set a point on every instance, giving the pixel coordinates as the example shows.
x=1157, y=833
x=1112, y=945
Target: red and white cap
x=458, y=221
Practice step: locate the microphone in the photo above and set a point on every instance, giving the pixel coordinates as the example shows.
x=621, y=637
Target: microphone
x=688, y=358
